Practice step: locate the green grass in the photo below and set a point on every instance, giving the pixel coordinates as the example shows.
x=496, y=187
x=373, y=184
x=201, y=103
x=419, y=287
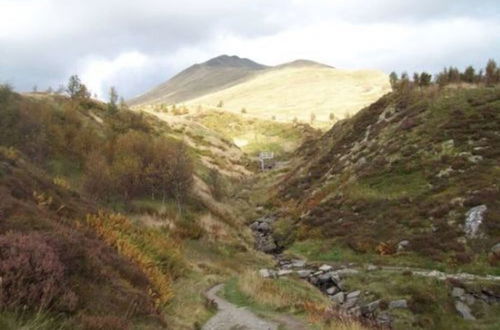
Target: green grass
x=331, y=251
x=430, y=301
x=31, y=321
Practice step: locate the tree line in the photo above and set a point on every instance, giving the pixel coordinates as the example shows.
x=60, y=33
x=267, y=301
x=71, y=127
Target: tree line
x=489, y=76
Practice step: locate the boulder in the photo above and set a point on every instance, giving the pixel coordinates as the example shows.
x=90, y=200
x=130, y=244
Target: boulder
x=339, y=298
x=464, y=310
x=264, y=227
x=284, y=272
x=495, y=250
x=353, y=295
x=457, y=292
x=403, y=245
x=371, y=307
x=303, y=273
x=297, y=263
x=371, y=268
x=325, y=268
x=254, y=225
x=332, y=290
x=266, y=273
x=473, y=219
x=401, y=303
x=265, y=244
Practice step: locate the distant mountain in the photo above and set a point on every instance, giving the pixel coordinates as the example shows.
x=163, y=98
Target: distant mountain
x=200, y=79
x=287, y=91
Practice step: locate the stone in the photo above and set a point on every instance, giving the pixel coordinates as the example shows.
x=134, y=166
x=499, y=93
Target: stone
x=464, y=310
x=266, y=273
x=371, y=268
x=371, y=307
x=265, y=244
x=470, y=299
x=401, y=303
x=403, y=245
x=474, y=218
x=264, y=227
x=325, y=277
x=457, y=292
x=325, y=268
x=353, y=295
x=495, y=250
x=339, y=298
x=384, y=319
x=303, y=273
x=254, y=225
x=355, y=311
x=332, y=290
x=297, y=263
x=444, y=173
x=284, y=272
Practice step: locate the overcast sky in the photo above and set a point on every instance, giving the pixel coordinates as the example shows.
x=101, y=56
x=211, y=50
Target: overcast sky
x=135, y=45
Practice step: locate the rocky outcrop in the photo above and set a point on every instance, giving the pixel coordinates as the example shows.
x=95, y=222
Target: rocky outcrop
x=262, y=230
x=473, y=219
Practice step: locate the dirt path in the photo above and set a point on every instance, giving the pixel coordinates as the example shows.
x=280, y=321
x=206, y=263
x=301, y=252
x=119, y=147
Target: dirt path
x=232, y=317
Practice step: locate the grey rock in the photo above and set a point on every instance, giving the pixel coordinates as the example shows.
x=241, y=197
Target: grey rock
x=353, y=294
x=464, y=310
x=403, y=245
x=474, y=218
x=284, y=272
x=371, y=307
x=496, y=250
x=470, y=299
x=303, y=273
x=254, y=225
x=297, y=263
x=266, y=273
x=332, y=290
x=339, y=298
x=265, y=243
x=325, y=277
x=264, y=227
x=371, y=268
x=401, y=303
x=384, y=319
x=457, y=292
x=325, y=268
x=355, y=311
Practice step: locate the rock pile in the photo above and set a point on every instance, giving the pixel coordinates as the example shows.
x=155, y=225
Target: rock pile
x=262, y=231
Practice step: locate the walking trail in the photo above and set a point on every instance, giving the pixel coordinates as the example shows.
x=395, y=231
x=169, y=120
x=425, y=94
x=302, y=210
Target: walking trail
x=232, y=317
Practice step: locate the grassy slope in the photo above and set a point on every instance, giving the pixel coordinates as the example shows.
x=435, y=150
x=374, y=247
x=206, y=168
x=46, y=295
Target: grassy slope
x=297, y=91
x=374, y=179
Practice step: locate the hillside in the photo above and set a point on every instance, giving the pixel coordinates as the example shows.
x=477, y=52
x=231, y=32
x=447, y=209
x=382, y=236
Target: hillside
x=200, y=79
x=297, y=91
x=289, y=91
x=410, y=168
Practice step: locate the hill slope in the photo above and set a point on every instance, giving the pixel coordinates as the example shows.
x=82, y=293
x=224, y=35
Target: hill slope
x=200, y=79
x=298, y=89
x=287, y=91
x=418, y=166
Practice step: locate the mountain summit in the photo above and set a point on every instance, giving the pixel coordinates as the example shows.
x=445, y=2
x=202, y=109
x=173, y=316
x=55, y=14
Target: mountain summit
x=233, y=61
x=200, y=79
x=300, y=89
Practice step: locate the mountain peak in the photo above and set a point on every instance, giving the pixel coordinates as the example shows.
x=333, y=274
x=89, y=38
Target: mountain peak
x=304, y=63
x=233, y=61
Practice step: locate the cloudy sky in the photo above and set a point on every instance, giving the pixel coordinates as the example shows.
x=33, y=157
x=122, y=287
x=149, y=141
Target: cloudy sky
x=135, y=45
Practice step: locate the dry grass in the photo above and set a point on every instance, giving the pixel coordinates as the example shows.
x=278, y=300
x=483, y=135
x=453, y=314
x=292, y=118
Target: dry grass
x=298, y=91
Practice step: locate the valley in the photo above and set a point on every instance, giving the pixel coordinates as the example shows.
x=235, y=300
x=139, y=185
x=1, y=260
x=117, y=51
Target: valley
x=160, y=216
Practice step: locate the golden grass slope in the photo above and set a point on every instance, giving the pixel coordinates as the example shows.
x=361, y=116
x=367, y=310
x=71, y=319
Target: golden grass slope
x=288, y=92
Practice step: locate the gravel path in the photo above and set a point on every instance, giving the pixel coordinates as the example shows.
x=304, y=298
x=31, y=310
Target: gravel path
x=232, y=317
